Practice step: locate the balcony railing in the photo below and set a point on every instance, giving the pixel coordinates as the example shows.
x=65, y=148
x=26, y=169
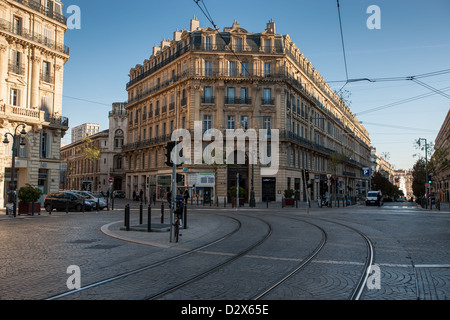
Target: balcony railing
x=7, y=26
x=236, y=100
x=16, y=68
x=36, y=6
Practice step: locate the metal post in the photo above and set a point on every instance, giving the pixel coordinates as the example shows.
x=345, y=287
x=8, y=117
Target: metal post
x=185, y=217
x=127, y=217
x=162, y=212
x=140, y=212
x=112, y=203
x=149, y=218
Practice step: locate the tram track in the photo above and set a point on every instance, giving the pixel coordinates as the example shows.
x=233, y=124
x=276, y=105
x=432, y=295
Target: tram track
x=358, y=291
x=355, y=295
x=150, y=266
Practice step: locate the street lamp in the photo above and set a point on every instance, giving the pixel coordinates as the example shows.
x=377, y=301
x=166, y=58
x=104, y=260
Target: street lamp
x=426, y=169
x=13, y=187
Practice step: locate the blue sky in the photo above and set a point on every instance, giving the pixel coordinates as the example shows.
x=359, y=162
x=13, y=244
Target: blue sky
x=414, y=39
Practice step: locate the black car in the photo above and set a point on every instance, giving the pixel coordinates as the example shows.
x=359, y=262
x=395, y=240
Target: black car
x=62, y=201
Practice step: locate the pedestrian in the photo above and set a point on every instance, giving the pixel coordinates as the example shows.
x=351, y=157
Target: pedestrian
x=186, y=196
x=141, y=195
x=177, y=228
x=379, y=199
x=134, y=195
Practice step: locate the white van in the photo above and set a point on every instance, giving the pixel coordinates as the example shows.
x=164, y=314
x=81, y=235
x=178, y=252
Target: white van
x=372, y=198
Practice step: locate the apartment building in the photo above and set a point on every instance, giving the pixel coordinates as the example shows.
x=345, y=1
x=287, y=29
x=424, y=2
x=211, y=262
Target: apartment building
x=441, y=180
x=82, y=131
x=32, y=59
x=235, y=79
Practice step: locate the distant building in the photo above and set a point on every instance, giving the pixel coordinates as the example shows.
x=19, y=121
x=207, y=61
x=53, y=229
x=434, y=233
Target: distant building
x=381, y=165
x=81, y=173
x=441, y=180
x=403, y=179
x=82, y=131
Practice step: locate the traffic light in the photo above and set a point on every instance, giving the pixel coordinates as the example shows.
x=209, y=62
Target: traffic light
x=169, y=147
x=180, y=179
x=430, y=176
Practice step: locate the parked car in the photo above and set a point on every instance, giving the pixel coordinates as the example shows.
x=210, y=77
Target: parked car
x=61, y=201
x=119, y=194
x=96, y=198
x=372, y=198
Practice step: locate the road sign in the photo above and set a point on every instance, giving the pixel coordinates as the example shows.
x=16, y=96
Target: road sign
x=366, y=172
x=111, y=180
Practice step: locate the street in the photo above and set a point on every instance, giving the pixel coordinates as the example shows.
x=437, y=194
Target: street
x=227, y=254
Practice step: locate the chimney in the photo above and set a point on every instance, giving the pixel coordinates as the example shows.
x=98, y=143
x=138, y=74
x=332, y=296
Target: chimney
x=177, y=35
x=195, y=24
x=156, y=49
x=271, y=26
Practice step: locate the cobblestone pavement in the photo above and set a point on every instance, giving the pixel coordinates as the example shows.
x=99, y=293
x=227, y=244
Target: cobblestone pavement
x=411, y=251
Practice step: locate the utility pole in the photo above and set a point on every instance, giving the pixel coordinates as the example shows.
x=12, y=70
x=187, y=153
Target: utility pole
x=426, y=170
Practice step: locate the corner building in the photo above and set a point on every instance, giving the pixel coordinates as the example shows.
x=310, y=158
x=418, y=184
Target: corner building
x=32, y=59
x=235, y=79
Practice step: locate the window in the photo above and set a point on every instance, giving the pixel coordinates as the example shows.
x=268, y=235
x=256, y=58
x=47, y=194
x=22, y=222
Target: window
x=267, y=125
x=16, y=62
x=244, y=96
x=48, y=39
x=231, y=68
x=208, y=68
x=207, y=123
x=230, y=95
x=183, y=123
x=230, y=123
x=267, y=98
x=238, y=44
x=267, y=69
x=244, y=122
x=207, y=98
x=244, y=69
x=43, y=180
x=14, y=97
x=45, y=145
x=17, y=25
x=46, y=72
x=208, y=45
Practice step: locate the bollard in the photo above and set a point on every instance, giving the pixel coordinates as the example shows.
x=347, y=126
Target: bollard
x=267, y=202
x=140, y=213
x=112, y=204
x=185, y=217
x=149, y=218
x=82, y=207
x=32, y=208
x=98, y=204
x=162, y=212
x=217, y=203
x=127, y=217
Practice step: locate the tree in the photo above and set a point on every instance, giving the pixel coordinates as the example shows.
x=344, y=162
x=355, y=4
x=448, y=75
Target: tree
x=418, y=173
x=386, y=187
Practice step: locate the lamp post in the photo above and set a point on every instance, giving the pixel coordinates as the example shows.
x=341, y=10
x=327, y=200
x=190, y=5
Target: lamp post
x=426, y=169
x=13, y=186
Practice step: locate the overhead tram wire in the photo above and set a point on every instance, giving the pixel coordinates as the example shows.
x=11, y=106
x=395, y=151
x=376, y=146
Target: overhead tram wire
x=210, y=19
x=343, y=46
x=390, y=105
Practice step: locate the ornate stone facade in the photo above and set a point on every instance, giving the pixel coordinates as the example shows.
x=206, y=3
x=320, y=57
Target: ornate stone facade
x=235, y=79
x=32, y=58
